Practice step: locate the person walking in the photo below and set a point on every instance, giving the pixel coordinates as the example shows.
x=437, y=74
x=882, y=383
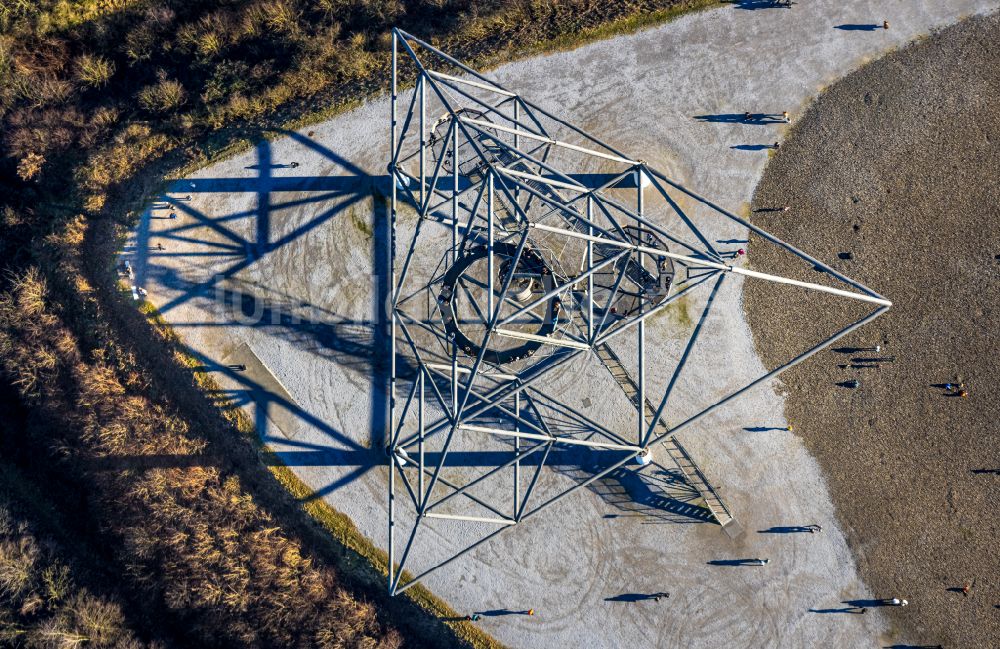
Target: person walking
x=784, y=116
x=895, y=601
x=885, y=24
x=776, y=145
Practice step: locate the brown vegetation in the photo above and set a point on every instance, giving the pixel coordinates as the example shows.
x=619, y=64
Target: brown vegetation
x=196, y=545
x=41, y=602
x=40, y=605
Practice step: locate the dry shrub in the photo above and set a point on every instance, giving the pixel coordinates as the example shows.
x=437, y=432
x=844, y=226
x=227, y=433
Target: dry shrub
x=100, y=621
x=7, y=75
x=9, y=217
x=30, y=292
x=26, y=368
x=141, y=43
x=133, y=147
x=105, y=116
x=164, y=96
x=160, y=14
x=18, y=557
x=53, y=90
x=30, y=165
x=40, y=605
x=189, y=535
x=94, y=71
x=74, y=231
x=45, y=90
x=209, y=44
x=42, y=131
x=253, y=19
x=56, y=633
x=65, y=14
x=56, y=582
x=280, y=16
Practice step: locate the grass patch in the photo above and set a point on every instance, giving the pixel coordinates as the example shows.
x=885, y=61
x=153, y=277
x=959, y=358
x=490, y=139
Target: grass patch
x=678, y=313
x=621, y=27
x=360, y=224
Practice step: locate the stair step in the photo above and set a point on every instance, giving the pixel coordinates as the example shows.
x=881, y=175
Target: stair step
x=691, y=472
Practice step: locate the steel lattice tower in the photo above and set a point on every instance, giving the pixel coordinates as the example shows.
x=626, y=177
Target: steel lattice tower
x=523, y=254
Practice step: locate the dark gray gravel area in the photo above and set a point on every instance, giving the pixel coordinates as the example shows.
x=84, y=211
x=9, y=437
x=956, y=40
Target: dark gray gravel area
x=898, y=164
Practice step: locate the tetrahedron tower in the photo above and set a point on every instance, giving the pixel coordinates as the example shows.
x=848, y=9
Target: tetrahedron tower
x=525, y=263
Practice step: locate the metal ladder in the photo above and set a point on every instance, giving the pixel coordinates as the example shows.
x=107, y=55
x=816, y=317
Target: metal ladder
x=691, y=471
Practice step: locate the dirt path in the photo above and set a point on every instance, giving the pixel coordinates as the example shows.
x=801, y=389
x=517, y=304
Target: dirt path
x=897, y=164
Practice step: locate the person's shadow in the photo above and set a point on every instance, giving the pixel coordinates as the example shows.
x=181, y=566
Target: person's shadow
x=636, y=597
x=868, y=603
x=500, y=612
x=752, y=147
x=858, y=28
x=788, y=529
x=847, y=609
x=273, y=165
x=751, y=5
x=742, y=118
x=735, y=562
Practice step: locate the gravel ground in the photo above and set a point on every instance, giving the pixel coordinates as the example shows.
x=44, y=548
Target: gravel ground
x=897, y=164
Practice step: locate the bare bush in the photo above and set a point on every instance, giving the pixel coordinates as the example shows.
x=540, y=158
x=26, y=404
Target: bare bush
x=94, y=71
x=40, y=605
x=162, y=97
x=30, y=165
